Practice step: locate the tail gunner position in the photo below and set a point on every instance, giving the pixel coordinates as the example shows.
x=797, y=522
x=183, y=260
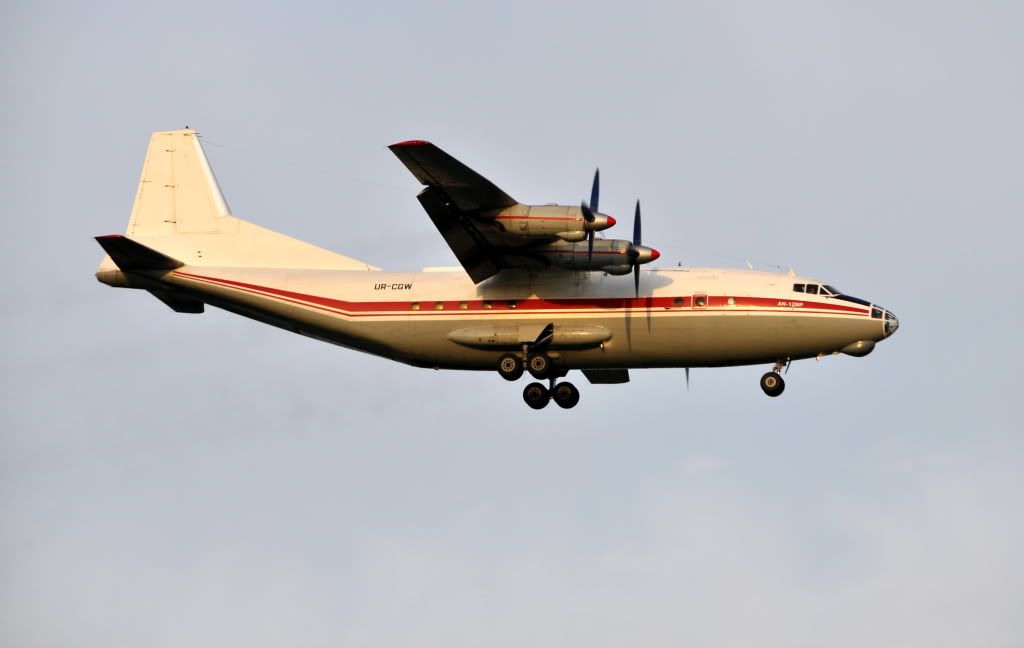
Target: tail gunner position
x=538, y=291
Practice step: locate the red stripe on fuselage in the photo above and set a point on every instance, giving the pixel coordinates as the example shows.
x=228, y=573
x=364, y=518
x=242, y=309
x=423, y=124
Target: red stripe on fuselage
x=718, y=304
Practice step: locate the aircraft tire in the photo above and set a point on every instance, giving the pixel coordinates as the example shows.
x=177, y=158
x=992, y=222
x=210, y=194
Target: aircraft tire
x=566, y=395
x=772, y=384
x=510, y=367
x=539, y=365
x=536, y=395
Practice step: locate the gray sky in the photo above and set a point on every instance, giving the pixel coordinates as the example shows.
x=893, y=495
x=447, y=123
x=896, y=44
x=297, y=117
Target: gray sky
x=171, y=480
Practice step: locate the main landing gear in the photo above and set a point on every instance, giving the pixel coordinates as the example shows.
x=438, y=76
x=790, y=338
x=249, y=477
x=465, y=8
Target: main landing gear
x=564, y=394
x=511, y=367
x=772, y=382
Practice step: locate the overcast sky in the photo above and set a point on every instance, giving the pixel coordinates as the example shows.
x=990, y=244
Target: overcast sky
x=170, y=480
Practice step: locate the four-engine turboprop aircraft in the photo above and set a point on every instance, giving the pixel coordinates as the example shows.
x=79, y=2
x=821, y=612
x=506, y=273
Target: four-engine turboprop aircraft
x=539, y=292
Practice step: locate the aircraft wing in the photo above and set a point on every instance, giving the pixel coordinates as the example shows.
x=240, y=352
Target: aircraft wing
x=466, y=188
x=461, y=203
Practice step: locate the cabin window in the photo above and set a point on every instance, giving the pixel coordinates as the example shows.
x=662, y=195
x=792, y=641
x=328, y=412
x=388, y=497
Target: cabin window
x=511, y=303
x=487, y=304
x=439, y=306
x=414, y=306
x=700, y=301
x=798, y=287
x=463, y=305
x=731, y=301
x=678, y=301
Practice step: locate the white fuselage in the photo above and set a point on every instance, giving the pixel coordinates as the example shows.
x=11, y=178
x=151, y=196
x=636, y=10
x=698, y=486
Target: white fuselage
x=683, y=317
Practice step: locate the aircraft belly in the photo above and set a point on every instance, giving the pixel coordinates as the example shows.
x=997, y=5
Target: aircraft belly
x=680, y=340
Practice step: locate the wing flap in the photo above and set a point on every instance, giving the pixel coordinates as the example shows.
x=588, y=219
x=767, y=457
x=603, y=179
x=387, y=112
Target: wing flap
x=469, y=246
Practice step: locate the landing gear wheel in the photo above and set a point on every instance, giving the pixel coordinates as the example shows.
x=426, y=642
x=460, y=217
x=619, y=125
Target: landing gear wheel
x=565, y=395
x=510, y=367
x=536, y=395
x=539, y=365
x=772, y=384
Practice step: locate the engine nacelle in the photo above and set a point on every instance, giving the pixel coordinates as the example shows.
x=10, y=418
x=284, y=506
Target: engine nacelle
x=618, y=270
x=614, y=256
x=565, y=222
x=576, y=256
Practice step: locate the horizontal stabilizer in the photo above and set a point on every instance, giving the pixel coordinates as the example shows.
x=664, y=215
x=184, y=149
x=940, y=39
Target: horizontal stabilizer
x=131, y=255
x=607, y=376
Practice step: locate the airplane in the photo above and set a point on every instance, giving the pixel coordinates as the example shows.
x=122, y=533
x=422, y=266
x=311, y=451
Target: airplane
x=538, y=291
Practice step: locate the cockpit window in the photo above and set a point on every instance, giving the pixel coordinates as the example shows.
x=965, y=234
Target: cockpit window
x=876, y=313
x=815, y=289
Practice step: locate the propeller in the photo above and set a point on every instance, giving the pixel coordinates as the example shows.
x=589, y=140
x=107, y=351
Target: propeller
x=633, y=252
x=588, y=213
x=638, y=253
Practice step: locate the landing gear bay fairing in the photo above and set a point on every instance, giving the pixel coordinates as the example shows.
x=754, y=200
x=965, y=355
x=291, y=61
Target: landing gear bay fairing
x=538, y=292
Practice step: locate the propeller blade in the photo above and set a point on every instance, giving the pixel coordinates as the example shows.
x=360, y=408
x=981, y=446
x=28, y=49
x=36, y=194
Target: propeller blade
x=596, y=189
x=636, y=224
x=687, y=379
x=588, y=214
x=633, y=252
x=590, y=250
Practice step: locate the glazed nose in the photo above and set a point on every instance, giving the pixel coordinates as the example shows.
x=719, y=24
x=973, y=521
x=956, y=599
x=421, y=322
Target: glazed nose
x=891, y=323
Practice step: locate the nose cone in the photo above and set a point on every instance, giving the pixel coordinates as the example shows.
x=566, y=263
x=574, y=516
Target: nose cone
x=891, y=323
x=611, y=221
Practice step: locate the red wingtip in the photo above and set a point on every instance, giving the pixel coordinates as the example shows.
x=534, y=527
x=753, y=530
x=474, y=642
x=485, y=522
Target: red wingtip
x=611, y=221
x=410, y=143
x=654, y=255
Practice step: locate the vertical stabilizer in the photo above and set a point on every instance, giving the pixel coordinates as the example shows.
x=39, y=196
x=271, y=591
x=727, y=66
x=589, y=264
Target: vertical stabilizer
x=180, y=212
x=178, y=193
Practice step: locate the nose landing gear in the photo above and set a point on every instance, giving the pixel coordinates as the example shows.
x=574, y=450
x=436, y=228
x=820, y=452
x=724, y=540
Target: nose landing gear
x=772, y=382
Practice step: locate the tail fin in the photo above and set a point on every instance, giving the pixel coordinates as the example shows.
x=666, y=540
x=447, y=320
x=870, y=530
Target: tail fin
x=180, y=212
x=178, y=192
